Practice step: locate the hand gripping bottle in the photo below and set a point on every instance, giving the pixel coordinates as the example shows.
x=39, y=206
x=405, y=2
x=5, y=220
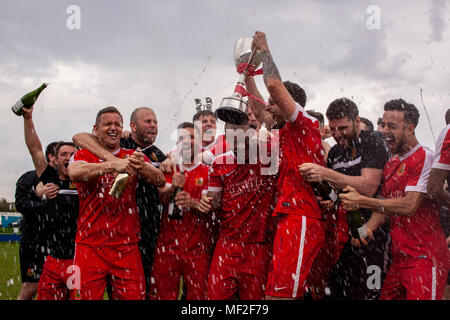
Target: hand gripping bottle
x=27, y=100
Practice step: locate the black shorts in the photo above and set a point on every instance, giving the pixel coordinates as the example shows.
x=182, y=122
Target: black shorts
x=32, y=259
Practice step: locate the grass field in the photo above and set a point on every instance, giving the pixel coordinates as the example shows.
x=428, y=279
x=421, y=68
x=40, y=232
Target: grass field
x=10, y=282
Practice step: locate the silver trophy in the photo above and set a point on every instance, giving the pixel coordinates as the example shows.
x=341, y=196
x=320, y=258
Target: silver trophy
x=232, y=109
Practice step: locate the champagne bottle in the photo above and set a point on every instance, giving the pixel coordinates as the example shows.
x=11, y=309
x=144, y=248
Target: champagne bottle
x=326, y=192
x=355, y=222
x=174, y=211
x=27, y=100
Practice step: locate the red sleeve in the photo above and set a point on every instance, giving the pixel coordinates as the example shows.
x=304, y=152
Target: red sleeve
x=301, y=118
x=419, y=173
x=442, y=156
x=84, y=155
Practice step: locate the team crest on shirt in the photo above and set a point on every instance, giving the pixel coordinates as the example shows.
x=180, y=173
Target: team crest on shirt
x=154, y=157
x=72, y=186
x=353, y=155
x=30, y=273
x=401, y=170
x=199, y=181
x=77, y=294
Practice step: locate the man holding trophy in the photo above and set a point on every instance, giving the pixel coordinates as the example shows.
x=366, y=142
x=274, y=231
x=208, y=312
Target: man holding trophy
x=300, y=231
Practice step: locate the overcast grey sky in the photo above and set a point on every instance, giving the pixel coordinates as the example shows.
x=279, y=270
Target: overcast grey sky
x=165, y=54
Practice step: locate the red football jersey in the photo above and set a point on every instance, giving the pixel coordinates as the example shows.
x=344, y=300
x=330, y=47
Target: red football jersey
x=194, y=229
x=442, y=153
x=247, y=199
x=220, y=139
x=420, y=236
x=103, y=219
x=300, y=142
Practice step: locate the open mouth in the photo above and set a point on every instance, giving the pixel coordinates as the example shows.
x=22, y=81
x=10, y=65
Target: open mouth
x=66, y=164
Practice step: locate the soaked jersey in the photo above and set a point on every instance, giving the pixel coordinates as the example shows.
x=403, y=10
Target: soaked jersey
x=194, y=229
x=421, y=235
x=247, y=199
x=300, y=142
x=103, y=219
x=442, y=152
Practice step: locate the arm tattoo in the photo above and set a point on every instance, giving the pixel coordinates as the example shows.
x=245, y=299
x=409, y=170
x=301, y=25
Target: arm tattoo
x=269, y=68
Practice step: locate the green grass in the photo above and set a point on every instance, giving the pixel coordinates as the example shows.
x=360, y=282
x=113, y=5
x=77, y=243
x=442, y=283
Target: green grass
x=6, y=230
x=10, y=282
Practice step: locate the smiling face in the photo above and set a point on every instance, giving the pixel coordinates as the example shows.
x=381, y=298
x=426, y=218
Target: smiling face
x=62, y=160
x=344, y=130
x=186, y=144
x=109, y=130
x=396, y=131
x=209, y=127
x=145, y=127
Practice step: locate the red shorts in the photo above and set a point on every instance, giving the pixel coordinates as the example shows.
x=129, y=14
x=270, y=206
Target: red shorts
x=297, y=242
x=336, y=235
x=238, y=271
x=423, y=281
x=54, y=279
x=121, y=265
x=168, y=268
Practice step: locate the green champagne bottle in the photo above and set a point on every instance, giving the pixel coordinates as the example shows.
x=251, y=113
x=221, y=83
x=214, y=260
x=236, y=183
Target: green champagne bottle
x=27, y=100
x=355, y=221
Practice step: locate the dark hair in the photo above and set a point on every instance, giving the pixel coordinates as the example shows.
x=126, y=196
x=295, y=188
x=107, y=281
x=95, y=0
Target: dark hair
x=51, y=149
x=379, y=121
x=317, y=115
x=110, y=109
x=342, y=107
x=135, y=112
x=368, y=123
x=203, y=113
x=297, y=93
x=411, y=113
x=185, y=125
x=63, y=143
x=447, y=116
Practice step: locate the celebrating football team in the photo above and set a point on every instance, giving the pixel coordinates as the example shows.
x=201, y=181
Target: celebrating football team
x=266, y=211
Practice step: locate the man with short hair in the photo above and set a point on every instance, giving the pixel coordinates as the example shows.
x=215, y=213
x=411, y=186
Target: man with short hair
x=184, y=244
x=62, y=202
x=144, y=130
x=300, y=231
x=34, y=228
x=357, y=160
x=421, y=259
x=109, y=228
x=366, y=124
x=208, y=124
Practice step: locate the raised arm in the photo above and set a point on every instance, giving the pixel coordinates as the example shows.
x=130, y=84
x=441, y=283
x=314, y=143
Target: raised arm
x=272, y=78
x=33, y=142
x=259, y=109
